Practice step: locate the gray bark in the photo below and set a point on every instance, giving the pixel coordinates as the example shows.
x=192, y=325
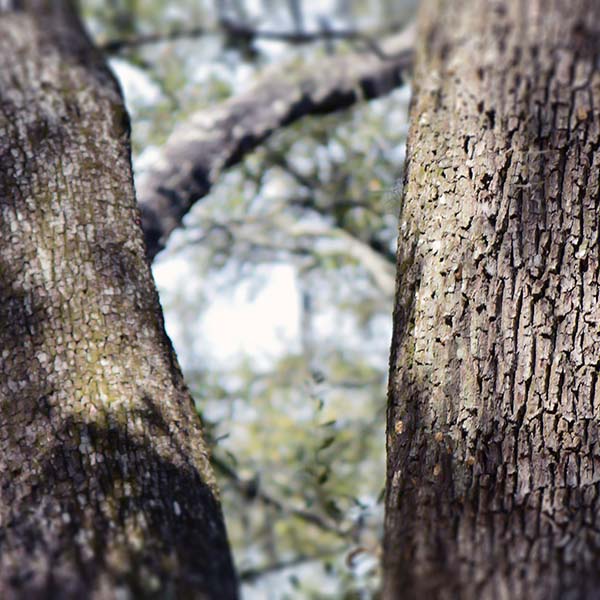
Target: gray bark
x=212, y=140
x=493, y=422
x=106, y=490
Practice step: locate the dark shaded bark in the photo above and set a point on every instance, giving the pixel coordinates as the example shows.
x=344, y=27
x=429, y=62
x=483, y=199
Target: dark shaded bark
x=493, y=448
x=105, y=485
x=212, y=140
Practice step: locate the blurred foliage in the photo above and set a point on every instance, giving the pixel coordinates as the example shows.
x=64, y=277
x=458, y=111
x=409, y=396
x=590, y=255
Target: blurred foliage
x=298, y=432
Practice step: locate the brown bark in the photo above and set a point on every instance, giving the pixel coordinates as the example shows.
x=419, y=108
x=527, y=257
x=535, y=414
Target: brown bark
x=212, y=140
x=493, y=449
x=105, y=486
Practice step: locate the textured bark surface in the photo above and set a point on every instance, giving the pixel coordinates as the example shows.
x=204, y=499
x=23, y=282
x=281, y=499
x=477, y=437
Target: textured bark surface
x=493, y=448
x=211, y=140
x=105, y=486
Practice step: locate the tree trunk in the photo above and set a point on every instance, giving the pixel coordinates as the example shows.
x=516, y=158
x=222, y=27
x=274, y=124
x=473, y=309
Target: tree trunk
x=493, y=449
x=105, y=486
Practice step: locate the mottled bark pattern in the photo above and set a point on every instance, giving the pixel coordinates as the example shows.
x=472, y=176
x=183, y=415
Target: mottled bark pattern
x=493, y=421
x=105, y=486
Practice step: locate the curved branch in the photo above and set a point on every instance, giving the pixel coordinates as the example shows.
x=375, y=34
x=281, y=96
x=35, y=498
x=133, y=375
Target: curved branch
x=304, y=240
x=212, y=140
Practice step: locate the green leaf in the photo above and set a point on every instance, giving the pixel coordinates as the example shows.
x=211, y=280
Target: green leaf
x=328, y=441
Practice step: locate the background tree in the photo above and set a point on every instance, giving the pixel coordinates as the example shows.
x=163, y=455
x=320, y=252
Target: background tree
x=493, y=423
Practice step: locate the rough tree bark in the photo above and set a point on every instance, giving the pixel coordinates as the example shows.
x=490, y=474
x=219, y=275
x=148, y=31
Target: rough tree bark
x=105, y=486
x=493, y=422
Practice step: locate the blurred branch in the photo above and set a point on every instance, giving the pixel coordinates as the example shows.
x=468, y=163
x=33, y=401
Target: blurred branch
x=250, y=490
x=327, y=211
x=378, y=258
x=255, y=573
x=300, y=239
x=247, y=33
x=212, y=140
x=309, y=202
x=114, y=46
x=379, y=268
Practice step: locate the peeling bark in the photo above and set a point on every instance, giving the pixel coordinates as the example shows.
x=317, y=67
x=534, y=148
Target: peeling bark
x=217, y=138
x=493, y=449
x=106, y=490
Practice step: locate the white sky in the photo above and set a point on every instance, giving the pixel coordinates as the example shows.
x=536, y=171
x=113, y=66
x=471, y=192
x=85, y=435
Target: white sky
x=262, y=323
x=265, y=323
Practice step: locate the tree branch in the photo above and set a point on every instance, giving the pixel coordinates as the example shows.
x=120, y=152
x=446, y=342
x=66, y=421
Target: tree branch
x=251, y=491
x=247, y=33
x=200, y=149
x=304, y=240
x=377, y=266
x=255, y=573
